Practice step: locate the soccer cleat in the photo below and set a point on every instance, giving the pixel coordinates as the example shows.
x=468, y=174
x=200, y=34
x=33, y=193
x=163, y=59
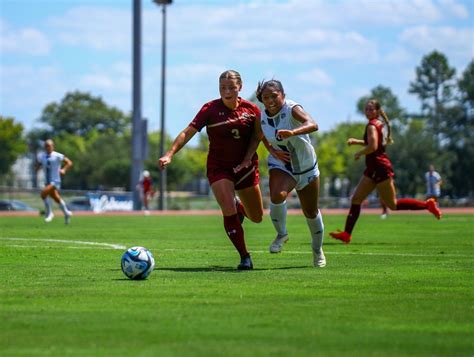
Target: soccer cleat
x=433, y=208
x=276, y=245
x=240, y=209
x=245, y=264
x=342, y=236
x=49, y=217
x=67, y=217
x=319, y=260
x=383, y=216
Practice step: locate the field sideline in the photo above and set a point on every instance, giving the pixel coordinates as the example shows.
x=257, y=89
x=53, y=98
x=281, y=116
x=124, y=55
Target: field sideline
x=403, y=287
x=326, y=211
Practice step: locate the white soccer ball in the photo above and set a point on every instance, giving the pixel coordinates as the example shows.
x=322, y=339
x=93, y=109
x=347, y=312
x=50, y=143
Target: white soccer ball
x=137, y=263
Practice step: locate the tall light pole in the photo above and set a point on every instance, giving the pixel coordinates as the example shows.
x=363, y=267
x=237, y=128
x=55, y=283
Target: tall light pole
x=162, y=199
x=137, y=154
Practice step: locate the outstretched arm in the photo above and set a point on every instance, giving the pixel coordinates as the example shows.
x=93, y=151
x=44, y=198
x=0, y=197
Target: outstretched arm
x=178, y=143
x=67, y=166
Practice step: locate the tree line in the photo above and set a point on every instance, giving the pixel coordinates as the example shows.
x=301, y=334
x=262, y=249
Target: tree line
x=97, y=137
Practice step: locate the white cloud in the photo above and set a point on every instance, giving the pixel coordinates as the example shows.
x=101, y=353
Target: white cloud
x=453, y=7
x=116, y=78
x=27, y=40
x=100, y=28
x=452, y=41
x=316, y=76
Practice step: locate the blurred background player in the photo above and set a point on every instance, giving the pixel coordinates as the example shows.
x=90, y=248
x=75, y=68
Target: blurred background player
x=51, y=162
x=433, y=183
x=230, y=124
x=145, y=187
x=292, y=164
x=378, y=173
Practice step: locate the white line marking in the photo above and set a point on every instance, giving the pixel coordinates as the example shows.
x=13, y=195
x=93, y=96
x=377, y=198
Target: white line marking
x=327, y=253
x=121, y=247
x=106, y=245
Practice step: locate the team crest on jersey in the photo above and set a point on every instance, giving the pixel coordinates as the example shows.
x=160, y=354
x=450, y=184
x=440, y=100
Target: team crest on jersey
x=283, y=115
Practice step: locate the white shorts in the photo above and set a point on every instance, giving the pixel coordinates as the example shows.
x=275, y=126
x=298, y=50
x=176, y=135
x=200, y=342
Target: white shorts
x=302, y=180
x=56, y=184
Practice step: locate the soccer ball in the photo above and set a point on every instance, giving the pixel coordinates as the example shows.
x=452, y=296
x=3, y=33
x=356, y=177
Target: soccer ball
x=137, y=263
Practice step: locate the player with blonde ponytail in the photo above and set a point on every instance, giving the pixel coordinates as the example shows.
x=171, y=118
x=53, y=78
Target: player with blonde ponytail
x=378, y=173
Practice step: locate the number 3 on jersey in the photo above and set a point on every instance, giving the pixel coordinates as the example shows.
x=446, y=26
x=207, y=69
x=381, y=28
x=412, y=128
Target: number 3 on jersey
x=235, y=133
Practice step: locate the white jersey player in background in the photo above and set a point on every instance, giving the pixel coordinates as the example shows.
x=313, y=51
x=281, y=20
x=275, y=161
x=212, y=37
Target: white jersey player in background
x=51, y=162
x=292, y=164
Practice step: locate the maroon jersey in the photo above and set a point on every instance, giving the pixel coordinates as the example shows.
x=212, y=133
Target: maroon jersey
x=147, y=183
x=229, y=131
x=378, y=159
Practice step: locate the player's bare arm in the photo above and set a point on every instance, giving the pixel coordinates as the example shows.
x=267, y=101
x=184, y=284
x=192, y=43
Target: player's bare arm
x=177, y=145
x=257, y=136
x=371, y=143
x=354, y=141
x=67, y=166
x=309, y=125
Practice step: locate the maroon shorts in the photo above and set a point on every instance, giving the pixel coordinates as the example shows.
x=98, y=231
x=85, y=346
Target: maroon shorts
x=379, y=174
x=248, y=177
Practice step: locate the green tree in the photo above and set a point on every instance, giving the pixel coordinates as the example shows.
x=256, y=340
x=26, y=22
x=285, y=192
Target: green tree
x=13, y=144
x=81, y=113
x=336, y=159
x=434, y=86
x=461, y=181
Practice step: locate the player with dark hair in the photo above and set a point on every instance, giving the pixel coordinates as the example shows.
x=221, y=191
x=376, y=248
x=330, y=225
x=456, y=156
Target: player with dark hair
x=292, y=164
x=230, y=124
x=378, y=173
x=51, y=162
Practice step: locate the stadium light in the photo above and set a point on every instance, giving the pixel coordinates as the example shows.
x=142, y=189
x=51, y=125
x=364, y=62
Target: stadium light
x=162, y=200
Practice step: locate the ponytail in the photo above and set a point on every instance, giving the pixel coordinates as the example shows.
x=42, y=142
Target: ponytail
x=389, y=128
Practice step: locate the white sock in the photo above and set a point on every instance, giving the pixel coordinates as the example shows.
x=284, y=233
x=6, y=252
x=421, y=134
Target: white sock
x=62, y=204
x=278, y=216
x=316, y=227
x=47, y=206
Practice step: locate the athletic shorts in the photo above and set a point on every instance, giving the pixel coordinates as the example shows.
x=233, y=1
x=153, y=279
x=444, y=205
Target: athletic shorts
x=248, y=177
x=56, y=184
x=379, y=174
x=302, y=180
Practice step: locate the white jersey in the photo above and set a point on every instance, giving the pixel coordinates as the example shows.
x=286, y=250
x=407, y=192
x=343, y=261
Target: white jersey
x=433, y=180
x=303, y=157
x=51, y=164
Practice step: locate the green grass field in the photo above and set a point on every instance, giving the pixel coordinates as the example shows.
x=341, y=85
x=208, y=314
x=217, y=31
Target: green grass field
x=403, y=287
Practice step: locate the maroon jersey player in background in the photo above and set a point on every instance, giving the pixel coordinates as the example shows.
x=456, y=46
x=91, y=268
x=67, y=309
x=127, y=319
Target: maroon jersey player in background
x=230, y=124
x=378, y=173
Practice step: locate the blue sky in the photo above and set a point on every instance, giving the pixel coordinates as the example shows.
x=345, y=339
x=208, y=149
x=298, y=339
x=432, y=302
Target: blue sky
x=327, y=53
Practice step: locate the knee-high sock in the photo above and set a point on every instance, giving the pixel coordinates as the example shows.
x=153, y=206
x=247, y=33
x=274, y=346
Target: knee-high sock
x=63, y=206
x=47, y=206
x=316, y=227
x=278, y=216
x=410, y=204
x=235, y=232
x=352, y=218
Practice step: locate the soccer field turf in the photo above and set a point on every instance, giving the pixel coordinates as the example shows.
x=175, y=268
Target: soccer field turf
x=404, y=286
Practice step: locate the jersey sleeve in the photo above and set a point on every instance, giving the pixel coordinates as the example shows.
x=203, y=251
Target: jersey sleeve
x=201, y=118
